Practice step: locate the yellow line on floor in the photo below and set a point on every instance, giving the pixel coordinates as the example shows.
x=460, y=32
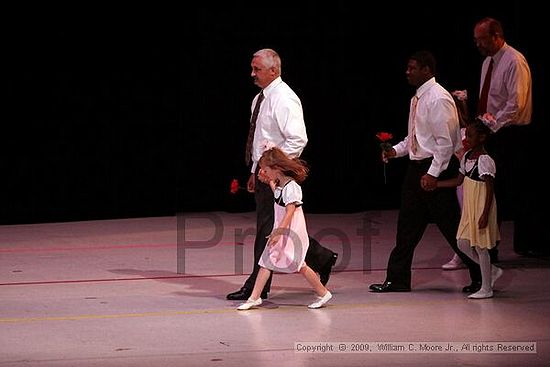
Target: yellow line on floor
x=116, y=316
x=269, y=308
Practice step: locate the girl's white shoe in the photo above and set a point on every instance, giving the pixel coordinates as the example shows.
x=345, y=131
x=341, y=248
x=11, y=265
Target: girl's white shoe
x=321, y=301
x=454, y=264
x=481, y=294
x=496, y=273
x=249, y=304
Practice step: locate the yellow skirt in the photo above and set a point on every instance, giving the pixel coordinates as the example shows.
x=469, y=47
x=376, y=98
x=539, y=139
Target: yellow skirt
x=473, y=203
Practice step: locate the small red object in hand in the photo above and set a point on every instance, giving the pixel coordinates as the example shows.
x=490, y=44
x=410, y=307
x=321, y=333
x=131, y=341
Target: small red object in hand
x=234, y=186
x=385, y=137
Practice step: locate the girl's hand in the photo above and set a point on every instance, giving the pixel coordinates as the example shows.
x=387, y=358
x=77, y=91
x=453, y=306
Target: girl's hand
x=274, y=237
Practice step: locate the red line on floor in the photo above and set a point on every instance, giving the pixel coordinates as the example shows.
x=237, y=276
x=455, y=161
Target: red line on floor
x=107, y=247
x=102, y=247
x=98, y=280
x=166, y=277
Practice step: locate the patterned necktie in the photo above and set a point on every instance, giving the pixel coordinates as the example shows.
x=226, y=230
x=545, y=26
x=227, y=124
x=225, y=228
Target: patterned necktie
x=483, y=97
x=248, y=154
x=412, y=136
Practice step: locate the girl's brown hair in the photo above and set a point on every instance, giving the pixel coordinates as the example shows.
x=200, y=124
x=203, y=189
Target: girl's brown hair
x=293, y=167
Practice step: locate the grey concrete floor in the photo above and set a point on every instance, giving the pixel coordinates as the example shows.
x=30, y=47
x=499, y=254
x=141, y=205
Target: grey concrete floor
x=151, y=292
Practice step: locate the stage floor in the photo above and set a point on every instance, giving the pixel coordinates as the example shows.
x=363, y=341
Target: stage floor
x=151, y=292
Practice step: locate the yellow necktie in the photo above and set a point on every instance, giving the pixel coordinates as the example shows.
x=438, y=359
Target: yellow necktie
x=412, y=135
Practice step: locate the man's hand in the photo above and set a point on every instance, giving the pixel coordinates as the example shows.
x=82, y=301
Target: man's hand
x=387, y=154
x=428, y=182
x=251, y=183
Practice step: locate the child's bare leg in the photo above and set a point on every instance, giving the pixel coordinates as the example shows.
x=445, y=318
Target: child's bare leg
x=313, y=279
x=261, y=280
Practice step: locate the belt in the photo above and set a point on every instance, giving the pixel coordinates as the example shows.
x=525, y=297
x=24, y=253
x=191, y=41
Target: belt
x=421, y=161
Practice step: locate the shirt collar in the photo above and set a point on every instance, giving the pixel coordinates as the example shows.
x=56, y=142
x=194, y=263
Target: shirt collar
x=267, y=90
x=500, y=52
x=424, y=87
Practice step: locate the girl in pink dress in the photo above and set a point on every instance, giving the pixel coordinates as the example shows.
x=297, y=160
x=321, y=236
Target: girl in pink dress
x=288, y=243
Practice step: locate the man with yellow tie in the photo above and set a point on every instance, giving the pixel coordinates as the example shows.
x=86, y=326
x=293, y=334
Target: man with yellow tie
x=433, y=138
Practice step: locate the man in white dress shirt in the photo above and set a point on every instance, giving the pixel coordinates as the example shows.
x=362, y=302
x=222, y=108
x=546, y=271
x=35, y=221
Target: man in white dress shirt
x=434, y=137
x=279, y=121
x=509, y=101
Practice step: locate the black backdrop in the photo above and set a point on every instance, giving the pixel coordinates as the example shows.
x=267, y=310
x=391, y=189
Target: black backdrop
x=118, y=118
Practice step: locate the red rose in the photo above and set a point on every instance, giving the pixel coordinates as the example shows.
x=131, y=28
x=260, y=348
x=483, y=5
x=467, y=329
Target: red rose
x=384, y=138
x=234, y=186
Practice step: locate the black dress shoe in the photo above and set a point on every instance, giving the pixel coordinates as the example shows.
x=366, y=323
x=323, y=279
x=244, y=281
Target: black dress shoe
x=240, y=295
x=472, y=288
x=324, y=274
x=243, y=294
x=388, y=287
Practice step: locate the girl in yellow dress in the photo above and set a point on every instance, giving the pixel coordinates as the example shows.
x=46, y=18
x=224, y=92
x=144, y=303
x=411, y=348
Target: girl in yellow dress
x=478, y=229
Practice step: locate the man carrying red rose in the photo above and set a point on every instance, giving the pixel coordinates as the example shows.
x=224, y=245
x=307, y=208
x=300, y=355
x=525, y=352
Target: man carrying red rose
x=434, y=137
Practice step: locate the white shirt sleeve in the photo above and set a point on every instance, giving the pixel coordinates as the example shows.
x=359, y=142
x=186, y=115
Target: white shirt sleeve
x=292, y=193
x=486, y=166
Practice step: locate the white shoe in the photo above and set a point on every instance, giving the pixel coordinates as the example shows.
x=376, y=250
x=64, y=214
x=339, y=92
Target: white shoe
x=249, y=304
x=496, y=273
x=454, y=264
x=321, y=301
x=481, y=294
